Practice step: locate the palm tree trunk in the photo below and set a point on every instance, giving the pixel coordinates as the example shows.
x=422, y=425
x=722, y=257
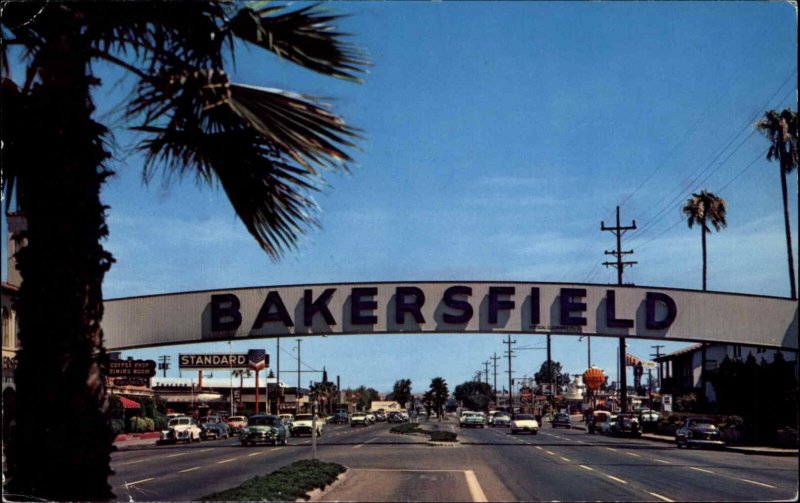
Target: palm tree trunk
x=787, y=225
x=705, y=267
x=63, y=439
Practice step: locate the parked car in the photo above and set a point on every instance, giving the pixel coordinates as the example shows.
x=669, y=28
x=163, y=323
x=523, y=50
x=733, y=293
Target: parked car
x=605, y=427
x=471, y=419
x=303, y=424
x=524, y=422
x=698, y=432
x=264, y=429
x=236, y=423
x=597, y=418
x=501, y=419
x=340, y=418
x=213, y=427
x=180, y=429
x=394, y=417
x=380, y=416
x=561, y=419
x=359, y=419
x=649, y=420
x=627, y=425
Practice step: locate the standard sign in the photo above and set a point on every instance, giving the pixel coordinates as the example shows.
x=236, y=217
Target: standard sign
x=450, y=307
x=212, y=361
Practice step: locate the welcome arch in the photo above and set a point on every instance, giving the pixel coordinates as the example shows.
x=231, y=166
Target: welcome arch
x=450, y=307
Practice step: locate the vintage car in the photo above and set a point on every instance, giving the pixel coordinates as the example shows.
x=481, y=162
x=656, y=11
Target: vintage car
x=501, y=419
x=303, y=424
x=471, y=419
x=605, y=427
x=264, y=429
x=597, y=418
x=180, y=429
x=287, y=419
x=627, y=425
x=524, y=422
x=698, y=432
x=213, y=427
x=371, y=418
x=394, y=417
x=236, y=423
x=561, y=419
x=340, y=418
x=359, y=419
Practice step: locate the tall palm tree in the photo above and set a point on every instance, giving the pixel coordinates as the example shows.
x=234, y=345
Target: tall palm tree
x=265, y=147
x=401, y=392
x=782, y=131
x=705, y=209
x=440, y=394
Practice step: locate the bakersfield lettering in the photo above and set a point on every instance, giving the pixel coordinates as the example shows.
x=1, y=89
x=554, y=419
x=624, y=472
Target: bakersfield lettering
x=458, y=309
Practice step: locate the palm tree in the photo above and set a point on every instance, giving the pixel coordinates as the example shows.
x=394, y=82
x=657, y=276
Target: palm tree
x=265, y=147
x=402, y=392
x=781, y=129
x=703, y=209
x=439, y=394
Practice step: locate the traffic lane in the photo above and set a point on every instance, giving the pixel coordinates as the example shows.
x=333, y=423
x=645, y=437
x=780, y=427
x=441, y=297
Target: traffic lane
x=188, y=472
x=531, y=473
x=371, y=484
x=774, y=470
x=674, y=474
x=415, y=465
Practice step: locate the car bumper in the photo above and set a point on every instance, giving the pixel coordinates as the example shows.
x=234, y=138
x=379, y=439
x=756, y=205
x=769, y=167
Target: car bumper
x=301, y=430
x=259, y=437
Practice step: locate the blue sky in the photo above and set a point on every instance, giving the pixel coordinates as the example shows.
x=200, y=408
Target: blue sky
x=497, y=137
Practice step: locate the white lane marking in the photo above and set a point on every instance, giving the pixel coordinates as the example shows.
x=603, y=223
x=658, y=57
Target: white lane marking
x=615, y=478
x=226, y=460
x=662, y=461
x=759, y=483
x=700, y=469
x=362, y=445
x=134, y=462
x=633, y=454
x=178, y=455
x=610, y=448
x=203, y=450
x=663, y=498
x=539, y=448
x=255, y=454
x=137, y=482
x=587, y=468
x=580, y=441
x=474, y=487
x=190, y=469
x=550, y=452
x=566, y=459
x=276, y=449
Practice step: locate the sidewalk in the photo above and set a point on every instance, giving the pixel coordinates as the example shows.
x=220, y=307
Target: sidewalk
x=135, y=440
x=763, y=450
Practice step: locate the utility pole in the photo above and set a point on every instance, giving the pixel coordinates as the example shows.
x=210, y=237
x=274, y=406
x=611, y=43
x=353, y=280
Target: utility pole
x=658, y=347
x=486, y=372
x=509, y=353
x=550, y=370
x=618, y=231
x=297, y=403
x=164, y=364
x=494, y=362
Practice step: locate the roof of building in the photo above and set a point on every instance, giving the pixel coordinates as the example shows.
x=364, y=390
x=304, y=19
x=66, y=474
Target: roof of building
x=680, y=352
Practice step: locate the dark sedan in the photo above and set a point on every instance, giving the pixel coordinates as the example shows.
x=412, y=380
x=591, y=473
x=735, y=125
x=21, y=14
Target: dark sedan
x=698, y=432
x=561, y=419
x=263, y=429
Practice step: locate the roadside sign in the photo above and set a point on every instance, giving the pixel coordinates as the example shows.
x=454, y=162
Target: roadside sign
x=666, y=402
x=526, y=394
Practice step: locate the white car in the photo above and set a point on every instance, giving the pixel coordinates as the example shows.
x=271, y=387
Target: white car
x=606, y=427
x=524, y=422
x=181, y=429
x=371, y=418
x=303, y=424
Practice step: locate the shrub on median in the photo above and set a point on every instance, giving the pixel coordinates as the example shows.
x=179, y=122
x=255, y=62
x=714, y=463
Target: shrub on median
x=443, y=436
x=286, y=484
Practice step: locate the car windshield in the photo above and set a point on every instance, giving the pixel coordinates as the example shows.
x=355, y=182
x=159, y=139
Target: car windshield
x=236, y=418
x=303, y=417
x=179, y=420
x=524, y=416
x=263, y=421
x=703, y=422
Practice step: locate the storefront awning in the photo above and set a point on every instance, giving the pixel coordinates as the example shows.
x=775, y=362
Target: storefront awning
x=127, y=403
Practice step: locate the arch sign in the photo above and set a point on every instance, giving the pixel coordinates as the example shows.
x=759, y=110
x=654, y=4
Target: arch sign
x=450, y=307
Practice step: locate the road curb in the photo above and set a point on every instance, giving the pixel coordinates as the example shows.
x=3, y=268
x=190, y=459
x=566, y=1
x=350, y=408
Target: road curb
x=317, y=494
x=444, y=444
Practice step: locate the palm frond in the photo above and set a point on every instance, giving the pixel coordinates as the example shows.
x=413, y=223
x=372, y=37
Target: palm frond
x=295, y=124
x=306, y=37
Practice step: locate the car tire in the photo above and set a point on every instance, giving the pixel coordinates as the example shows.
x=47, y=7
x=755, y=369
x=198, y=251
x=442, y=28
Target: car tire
x=285, y=440
x=534, y=432
x=244, y=443
x=513, y=432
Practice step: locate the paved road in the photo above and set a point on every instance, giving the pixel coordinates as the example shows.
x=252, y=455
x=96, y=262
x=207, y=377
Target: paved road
x=489, y=465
